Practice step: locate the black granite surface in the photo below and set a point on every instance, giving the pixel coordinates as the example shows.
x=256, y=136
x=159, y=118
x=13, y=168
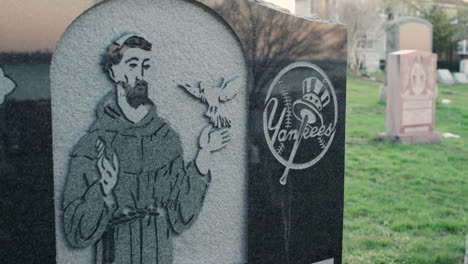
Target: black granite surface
x=301, y=222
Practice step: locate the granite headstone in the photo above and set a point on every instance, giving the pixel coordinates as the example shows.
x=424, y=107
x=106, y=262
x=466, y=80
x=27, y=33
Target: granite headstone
x=183, y=132
x=411, y=97
x=464, y=66
x=372, y=62
x=407, y=33
x=444, y=76
x=460, y=77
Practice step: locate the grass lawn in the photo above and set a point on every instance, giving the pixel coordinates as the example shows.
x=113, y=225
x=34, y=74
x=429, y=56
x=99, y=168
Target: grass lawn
x=405, y=204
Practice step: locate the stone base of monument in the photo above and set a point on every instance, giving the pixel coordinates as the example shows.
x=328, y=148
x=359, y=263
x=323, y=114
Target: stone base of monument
x=433, y=138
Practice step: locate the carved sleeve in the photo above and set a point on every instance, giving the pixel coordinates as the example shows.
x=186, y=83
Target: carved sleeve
x=186, y=199
x=86, y=212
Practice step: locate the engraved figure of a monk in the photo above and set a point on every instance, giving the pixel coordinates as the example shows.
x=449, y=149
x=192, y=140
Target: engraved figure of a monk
x=128, y=187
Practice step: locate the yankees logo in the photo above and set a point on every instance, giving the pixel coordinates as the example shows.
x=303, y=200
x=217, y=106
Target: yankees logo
x=300, y=116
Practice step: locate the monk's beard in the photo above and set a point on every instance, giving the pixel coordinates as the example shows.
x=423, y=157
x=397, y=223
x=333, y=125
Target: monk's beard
x=138, y=94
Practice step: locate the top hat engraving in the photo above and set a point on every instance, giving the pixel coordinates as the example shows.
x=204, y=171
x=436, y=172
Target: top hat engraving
x=315, y=98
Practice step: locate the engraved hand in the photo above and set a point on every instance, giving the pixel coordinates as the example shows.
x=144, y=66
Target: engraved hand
x=108, y=170
x=214, y=139
x=211, y=140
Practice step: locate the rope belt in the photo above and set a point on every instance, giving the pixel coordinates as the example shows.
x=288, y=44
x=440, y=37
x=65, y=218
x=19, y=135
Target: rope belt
x=108, y=243
x=132, y=216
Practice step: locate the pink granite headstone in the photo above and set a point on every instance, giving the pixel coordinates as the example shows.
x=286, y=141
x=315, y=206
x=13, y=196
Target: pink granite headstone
x=411, y=97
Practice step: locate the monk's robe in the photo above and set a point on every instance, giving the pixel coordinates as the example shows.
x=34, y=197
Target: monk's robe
x=157, y=193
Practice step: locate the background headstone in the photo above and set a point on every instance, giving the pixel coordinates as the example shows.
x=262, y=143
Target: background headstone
x=372, y=61
x=464, y=66
x=407, y=33
x=411, y=97
x=383, y=93
x=444, y=76
x=461, y=77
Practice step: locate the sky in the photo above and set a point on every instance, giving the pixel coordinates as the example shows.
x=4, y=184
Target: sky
x=31, y=25
x=288, y=4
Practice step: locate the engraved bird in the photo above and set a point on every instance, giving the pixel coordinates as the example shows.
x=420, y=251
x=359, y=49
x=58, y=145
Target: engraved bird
x=213, y=96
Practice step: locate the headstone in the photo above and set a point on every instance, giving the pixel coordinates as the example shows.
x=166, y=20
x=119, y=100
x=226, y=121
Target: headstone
x=182, y=134
x=372, y=62
x=411, y=97
x=383, y=93
x=464, y=66
x=461, y=78
x=444, y=76
x=407, y=33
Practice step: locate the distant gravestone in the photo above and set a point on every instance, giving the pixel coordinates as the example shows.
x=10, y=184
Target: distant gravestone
x=372, y=62
x=461, y=78
x=411, y=97
x=444, y=76
x=464, y=66
x=407, y=33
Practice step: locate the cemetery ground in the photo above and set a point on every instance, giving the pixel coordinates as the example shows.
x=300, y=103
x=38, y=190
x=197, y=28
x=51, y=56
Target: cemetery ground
x=405, y=204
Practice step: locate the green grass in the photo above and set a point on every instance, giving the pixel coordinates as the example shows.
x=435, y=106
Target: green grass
x=405, y=204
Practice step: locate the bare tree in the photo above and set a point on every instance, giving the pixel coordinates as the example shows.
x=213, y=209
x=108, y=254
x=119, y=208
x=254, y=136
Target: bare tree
x=462, y=20
x=271, y=41
x=361, y=17
x=396, y=8
x=278, y=39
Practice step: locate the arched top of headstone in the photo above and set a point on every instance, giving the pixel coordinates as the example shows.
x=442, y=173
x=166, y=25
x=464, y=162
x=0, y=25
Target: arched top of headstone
x=409, y=33
x=408, y=20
